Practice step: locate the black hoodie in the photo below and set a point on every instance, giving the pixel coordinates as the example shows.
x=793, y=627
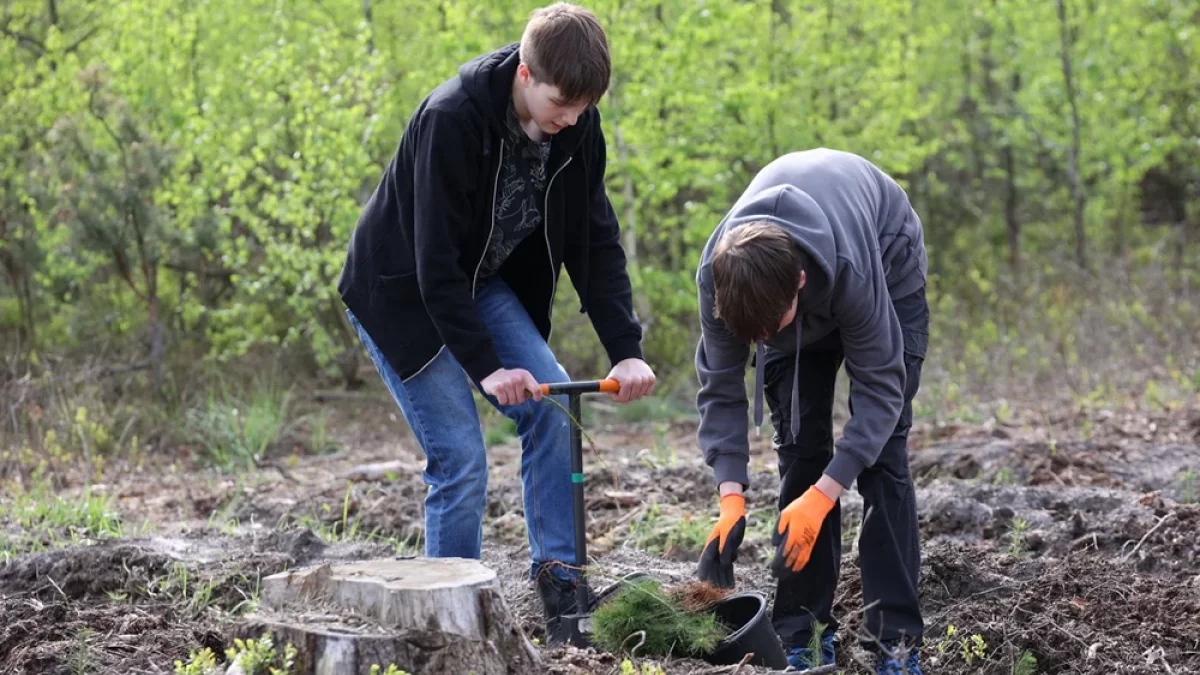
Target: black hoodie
x=412, y=266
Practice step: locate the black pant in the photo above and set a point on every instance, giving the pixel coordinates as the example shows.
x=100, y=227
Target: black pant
x=889, y=547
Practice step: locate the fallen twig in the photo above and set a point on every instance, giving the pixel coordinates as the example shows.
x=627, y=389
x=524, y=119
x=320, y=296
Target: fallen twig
x=1147, y=536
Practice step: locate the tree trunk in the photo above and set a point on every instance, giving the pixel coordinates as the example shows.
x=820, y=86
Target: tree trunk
x=425, y=615
x=1181, y=261
x=156, y=339
x=1073, y=155
x=829, y=47
x=1011, y=220
x=370, y=26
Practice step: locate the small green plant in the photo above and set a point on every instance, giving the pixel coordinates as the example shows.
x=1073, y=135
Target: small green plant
x=974, y=648
x=815, y=659
x=1005, y=476
x=202, y=662
x=664, y=453
x=947, y=642
x=850, y=529
x=1017, y=545
x=391, y=670
x=971, y=648
x=644, y=620
x=1186, y=487
x=258, y=657
x=79, y=660
x=318, y=433
x=627, y=668
x=1026, y=664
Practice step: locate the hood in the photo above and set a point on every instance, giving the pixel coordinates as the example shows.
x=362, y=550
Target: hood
x=487, y=79
x=800, y=216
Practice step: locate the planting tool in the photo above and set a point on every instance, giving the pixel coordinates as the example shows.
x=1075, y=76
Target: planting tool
x=579, y=624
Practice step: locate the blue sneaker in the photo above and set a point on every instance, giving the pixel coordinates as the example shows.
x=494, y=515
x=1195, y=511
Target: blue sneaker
x=899, y=660
x=801, y=658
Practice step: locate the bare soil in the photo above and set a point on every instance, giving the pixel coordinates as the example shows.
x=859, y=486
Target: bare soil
x=1070, y=536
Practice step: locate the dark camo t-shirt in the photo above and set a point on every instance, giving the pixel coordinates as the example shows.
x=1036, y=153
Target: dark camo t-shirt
x=520, y=196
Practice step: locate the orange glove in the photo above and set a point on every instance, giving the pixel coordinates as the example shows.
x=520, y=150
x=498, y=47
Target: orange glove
x=720, y=550
x=797, y=530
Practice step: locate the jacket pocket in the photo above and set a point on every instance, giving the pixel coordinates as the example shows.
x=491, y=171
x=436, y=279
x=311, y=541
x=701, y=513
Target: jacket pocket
x=391, y=289
x=399, y=311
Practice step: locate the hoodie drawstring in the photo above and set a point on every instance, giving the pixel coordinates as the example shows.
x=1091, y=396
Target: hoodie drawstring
x=796, y=386
x=759, y=386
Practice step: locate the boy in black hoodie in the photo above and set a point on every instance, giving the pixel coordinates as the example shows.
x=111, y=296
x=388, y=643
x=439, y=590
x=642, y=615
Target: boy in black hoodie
x=498, y=183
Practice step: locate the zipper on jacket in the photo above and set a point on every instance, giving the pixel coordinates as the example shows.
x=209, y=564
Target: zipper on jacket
x=495, y=188
x=475, y=278
x=549, y=252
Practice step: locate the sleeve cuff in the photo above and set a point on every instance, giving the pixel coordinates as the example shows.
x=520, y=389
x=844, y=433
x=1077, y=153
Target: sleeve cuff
x=844, y=467
x=624, y=348
x=731, y=468
x=482, y=364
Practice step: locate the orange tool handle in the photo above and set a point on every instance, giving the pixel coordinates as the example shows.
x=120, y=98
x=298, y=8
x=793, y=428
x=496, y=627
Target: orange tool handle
x=588, y=387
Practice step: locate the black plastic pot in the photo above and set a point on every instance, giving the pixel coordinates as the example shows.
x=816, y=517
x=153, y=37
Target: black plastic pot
x=751, y=632
x=609, y=592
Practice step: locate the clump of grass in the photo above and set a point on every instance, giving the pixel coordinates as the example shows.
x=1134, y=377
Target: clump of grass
x=45, y=520
x=645, y=620
x=1026, y=664
x=236, y=428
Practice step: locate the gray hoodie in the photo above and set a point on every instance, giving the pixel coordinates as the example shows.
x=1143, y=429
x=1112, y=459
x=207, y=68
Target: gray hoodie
x=866, y=243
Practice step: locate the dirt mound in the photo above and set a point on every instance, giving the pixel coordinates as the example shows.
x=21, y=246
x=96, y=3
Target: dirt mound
x=137, y=605
x=1080, y=614
x=82, y=572
x=1007, y=462
x=64, y=638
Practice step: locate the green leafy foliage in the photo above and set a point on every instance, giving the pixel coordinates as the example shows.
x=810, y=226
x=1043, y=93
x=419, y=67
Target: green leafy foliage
x=643, y=620
x=187, y=174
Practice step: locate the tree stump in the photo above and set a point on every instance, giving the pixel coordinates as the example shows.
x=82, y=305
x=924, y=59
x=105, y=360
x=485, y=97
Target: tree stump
x=425, y=615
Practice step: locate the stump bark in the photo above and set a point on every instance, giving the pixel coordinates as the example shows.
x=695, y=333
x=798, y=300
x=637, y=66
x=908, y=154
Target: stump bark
x=425, y=615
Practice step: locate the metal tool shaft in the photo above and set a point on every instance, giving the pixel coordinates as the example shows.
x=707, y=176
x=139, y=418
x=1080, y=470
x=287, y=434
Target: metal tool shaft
x=581, y=589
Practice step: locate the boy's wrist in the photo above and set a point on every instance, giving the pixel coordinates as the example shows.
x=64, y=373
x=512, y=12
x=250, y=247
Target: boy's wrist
x=829, y=487
x=730, y=487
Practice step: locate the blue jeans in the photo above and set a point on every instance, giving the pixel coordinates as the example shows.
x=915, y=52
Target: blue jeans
x=439, y=408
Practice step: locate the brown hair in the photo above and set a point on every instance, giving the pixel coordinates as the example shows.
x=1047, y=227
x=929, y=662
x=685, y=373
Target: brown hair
x=756, y=274
x=564, y=46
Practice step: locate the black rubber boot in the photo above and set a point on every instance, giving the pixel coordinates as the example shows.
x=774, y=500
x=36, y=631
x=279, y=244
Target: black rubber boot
x=558, y=600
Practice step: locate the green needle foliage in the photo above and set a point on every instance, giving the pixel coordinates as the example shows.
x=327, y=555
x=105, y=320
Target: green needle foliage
x=643, y=607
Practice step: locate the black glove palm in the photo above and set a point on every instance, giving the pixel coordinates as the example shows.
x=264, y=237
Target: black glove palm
x=720, y=551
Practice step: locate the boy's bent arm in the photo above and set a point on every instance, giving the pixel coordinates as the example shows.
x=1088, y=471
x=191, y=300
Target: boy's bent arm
x=609, y=298
x=721, y=368
x=874, y=349
x=447, y=177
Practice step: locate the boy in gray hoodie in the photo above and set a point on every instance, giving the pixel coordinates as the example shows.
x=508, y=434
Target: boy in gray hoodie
x=822, y=260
